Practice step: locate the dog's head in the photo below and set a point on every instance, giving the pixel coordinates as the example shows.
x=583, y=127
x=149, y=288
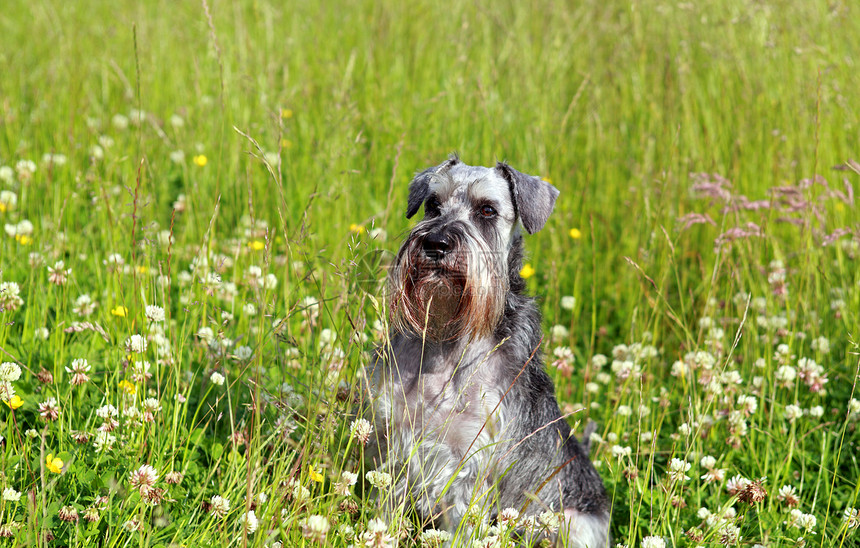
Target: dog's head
x=451, y=274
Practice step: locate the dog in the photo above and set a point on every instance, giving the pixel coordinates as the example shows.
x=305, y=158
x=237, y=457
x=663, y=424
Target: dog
x=464, y=414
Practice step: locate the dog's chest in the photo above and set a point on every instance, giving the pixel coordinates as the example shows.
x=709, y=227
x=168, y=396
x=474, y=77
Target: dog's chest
x=453, y=399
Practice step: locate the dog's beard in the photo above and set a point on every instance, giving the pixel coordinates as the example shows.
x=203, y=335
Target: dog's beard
x=461, y=296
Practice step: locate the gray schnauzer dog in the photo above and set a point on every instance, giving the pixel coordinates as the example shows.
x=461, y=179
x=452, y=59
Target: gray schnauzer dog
x=465, y=415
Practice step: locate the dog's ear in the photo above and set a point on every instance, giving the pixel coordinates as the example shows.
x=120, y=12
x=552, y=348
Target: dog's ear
x=419, y=188
x=534, y=197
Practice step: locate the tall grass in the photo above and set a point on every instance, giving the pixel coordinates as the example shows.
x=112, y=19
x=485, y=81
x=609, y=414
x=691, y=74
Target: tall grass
x=232, y=163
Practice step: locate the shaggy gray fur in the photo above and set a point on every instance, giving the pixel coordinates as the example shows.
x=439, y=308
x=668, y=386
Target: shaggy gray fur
x=465, y=415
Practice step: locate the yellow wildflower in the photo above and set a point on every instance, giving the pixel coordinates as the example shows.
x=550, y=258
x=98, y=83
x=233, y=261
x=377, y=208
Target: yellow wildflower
x=142, y=269
x=200, y=160
x=575, y=233
x=286, y=113
x=358, y=229
x=528, y=271
x=15, y=402
x=119, y=311
x=257, y=245
x=546, y=179
x=129, y=388
x=3, y=207
x=315, y=475
x=23, y=239
x=54, y=465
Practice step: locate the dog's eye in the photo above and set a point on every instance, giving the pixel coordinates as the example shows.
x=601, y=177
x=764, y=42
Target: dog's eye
x=432, y=206
x=488, y=211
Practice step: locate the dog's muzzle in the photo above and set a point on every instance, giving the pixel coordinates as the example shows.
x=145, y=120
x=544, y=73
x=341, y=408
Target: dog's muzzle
x=436, y=246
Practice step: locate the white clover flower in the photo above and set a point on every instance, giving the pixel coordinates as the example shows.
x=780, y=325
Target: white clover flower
x=9, y=372
x=7, y=174
x=217, y=378
x=136, y=344
x=377, y=536
x=22, y=228
x=737, y=484
x=708, y=462
x=599, y=360
x=653, y=542
x=119, y=121
x=327, y=337
x=79, y=369
x=807, y=522
x=10, y=296
x=250, y=522
x=851, y=517
x=620, y=452
x=568, y=302
x=315, y=527
x=361, y=430
x=136, y=116
x=11, y=495
x=349, y=478
x=785, y=375
x=678, y=469
x=298, y=491
x=270, y=281
x=549, y=520
x=788, y=494
x=623, y=369
x=243, y=353
x=206, y=334
x=25, y=169
x=152, y=405
x=8, y=200
x=380, y=480
x=106, y=411
x=508, y=517
x=793, y=412
x=219, y=506
x=154, y=313
x=57, y=160
x=821, y=344
x=433, y=538
x=730, y=534
x=103, y=441
x=143, y=479
x=559, y=332
x=177, y=156
x=747, y=404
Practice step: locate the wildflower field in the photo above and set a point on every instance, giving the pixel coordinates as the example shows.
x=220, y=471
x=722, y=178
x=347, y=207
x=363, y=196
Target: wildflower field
x=199, y=200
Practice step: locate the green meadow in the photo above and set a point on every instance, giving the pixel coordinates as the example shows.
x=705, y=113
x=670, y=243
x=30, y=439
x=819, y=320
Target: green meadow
x=196, y=197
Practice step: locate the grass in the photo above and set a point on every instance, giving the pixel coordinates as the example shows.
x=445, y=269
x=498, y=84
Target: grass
x=299, y=128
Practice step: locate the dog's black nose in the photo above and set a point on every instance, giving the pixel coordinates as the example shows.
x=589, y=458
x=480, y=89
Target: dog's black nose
x=436, y=245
